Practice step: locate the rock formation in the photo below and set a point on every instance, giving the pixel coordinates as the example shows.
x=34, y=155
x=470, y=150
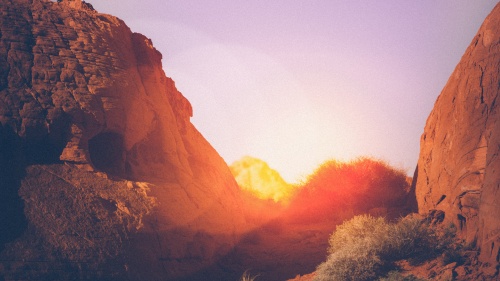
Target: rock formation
x=458, y=173
x=103, y=174
x=103, y=177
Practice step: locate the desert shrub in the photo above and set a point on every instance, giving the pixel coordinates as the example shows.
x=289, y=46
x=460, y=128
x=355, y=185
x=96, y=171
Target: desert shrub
x=349, y=265
x=453, y=250
x=397, y=276
x=363, y=181
x=247, y=277
x=351, y=187
x=366, y=247
x=361, y=231
x=410, y=238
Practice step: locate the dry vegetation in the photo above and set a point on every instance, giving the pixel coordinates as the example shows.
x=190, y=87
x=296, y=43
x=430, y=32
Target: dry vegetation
x=367, y=248
x=247, y=277
x=340, y=190
x=362, y=182
x=335, y=192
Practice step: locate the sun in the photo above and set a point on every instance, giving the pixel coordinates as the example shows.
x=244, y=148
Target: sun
x=255, y=176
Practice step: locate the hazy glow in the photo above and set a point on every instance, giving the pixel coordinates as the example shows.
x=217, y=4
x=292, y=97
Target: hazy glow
x=256, y=177
x=295, y=83
x=335, y=189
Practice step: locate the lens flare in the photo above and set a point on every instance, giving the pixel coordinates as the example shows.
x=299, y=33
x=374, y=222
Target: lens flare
x=256, y=177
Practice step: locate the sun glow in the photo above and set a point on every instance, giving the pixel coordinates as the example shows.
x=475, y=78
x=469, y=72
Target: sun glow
x=255, y=176
x=335, y=187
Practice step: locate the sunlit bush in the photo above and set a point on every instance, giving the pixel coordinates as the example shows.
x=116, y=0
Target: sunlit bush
x=366, y=247
x=363, y=181
x=341, y=189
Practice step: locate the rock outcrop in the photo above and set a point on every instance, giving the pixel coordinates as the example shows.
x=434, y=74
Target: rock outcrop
x=103, y=174
x=458, y=170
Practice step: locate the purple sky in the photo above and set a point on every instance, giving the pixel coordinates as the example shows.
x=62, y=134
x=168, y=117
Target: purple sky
x=296, y=83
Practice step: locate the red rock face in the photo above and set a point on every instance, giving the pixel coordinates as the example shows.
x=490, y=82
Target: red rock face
x=459, y=164
x=104, y=175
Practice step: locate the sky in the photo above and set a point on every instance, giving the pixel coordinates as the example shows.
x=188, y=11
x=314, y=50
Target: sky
x=296, y=83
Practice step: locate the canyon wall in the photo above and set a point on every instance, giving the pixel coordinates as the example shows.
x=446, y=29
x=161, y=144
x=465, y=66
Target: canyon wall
x=102, y=174
x=458, y=173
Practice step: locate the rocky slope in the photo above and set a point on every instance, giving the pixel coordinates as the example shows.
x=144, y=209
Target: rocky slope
x=102, y=174
x=459, y=165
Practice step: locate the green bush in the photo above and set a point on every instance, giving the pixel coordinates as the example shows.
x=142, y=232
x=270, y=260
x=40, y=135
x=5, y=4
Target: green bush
x=365, y=247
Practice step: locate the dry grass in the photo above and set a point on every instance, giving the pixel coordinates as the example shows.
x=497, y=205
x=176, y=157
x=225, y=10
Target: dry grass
x=247, y=277
x=396, y=276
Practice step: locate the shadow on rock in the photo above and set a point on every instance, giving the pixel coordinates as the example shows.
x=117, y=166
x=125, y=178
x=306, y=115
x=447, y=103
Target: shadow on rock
x=12, y=219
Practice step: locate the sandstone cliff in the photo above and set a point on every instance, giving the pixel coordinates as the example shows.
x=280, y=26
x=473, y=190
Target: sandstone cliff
x=103, y=174
x=459, y=166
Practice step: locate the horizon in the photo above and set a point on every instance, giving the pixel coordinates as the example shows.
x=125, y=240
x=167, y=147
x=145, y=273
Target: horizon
x=296, y=85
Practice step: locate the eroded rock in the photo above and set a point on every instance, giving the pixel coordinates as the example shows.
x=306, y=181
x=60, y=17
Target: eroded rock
x=459, y=164
x=107, y=177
